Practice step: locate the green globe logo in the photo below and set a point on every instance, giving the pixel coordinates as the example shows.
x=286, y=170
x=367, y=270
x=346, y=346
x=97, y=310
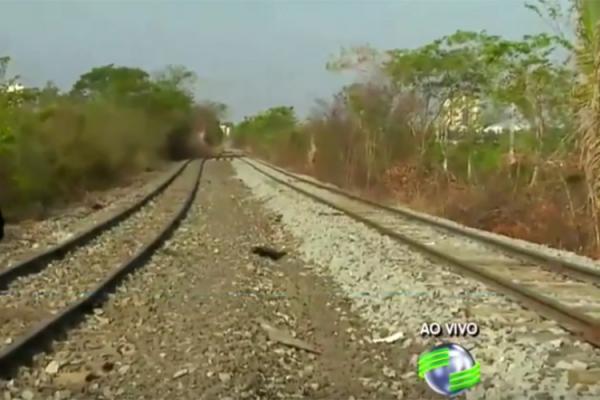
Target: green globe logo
x=449, y=369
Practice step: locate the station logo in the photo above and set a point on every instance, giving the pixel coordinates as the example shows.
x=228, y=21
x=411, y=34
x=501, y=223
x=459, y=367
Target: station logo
x=449, y=369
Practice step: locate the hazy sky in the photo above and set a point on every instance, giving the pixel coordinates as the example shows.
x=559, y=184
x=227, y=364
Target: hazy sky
x=249, y=54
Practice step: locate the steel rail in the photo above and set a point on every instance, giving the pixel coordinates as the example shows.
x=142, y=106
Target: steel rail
x=579, y=323
x=38, y=261
x=549, y=261
x=38, y=339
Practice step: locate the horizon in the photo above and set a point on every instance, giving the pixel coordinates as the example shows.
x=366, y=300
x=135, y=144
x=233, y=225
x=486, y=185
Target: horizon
x=283, y=63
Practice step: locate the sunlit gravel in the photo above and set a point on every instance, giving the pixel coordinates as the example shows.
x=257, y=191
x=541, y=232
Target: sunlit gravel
x=522, y=356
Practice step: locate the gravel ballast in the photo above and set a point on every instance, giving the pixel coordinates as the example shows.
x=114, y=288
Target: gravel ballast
x=35, y=297
x=206, y=318
x=34, y=235
x=565, y=255
x=522, y=356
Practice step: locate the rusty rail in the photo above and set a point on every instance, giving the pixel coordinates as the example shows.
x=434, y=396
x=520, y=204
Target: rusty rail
x=579, y=323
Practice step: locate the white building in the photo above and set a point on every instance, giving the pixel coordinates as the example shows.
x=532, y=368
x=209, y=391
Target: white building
x=226, y=129
x=15, y=88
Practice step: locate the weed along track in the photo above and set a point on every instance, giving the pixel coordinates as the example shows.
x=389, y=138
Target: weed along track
x=558, y=289
x=37, y=307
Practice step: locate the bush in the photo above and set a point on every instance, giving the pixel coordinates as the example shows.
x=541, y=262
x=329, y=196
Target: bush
x=115, y=122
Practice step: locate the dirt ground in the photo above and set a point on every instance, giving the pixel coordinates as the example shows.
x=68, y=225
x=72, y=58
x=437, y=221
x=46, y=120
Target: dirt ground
x=197, y=323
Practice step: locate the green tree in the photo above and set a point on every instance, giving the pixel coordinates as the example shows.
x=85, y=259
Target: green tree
x=119, y=82
x=177, y=76
x=6, y=109
x=266, y=130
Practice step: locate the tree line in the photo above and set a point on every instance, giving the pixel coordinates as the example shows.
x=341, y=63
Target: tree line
x=113, y=122
x=413, y=124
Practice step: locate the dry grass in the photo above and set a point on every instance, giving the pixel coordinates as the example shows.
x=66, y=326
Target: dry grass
x=552, y=212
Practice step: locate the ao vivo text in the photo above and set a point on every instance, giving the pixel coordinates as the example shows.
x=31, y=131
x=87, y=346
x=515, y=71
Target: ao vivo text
x=451, y=329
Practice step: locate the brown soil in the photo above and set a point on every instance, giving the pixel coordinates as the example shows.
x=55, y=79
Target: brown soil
x=190, y=322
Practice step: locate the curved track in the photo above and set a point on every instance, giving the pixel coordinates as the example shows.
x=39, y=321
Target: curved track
x=38, y=261
x=558, y=289
x=57, y=305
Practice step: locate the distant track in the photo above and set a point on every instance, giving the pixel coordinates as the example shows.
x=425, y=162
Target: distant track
x=227, y=155
x=558, y=289
x=36, y=335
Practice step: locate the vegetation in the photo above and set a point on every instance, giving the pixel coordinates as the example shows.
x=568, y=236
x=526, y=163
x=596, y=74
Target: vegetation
x=414, y=128
x=588, y=96
x=273, y=133
x=115, y=121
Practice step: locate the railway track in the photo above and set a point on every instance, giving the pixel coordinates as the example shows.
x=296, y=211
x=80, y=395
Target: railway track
x=558, y=289
x=227, y=155
x=37, y=261
x=51, y=291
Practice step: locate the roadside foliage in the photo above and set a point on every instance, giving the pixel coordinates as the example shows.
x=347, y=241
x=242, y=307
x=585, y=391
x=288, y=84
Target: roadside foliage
x=114, y=122
x=495, y=133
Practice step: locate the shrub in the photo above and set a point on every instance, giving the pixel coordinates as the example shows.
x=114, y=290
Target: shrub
x=115, y=122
